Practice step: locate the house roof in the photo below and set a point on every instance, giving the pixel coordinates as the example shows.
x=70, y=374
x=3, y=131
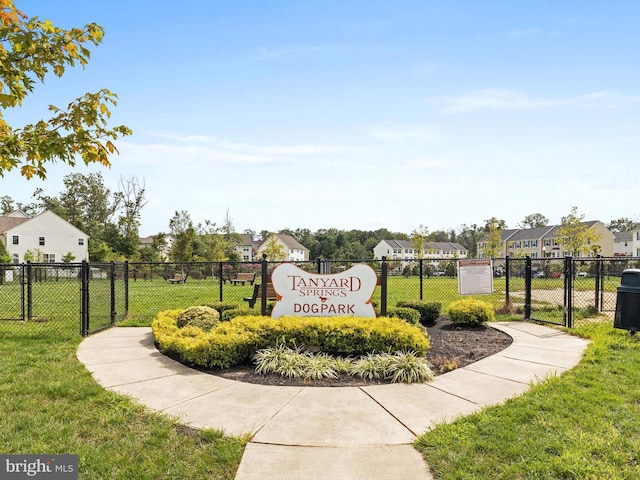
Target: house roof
x=7, y=222
x=622, y=236
x=291, y=242
x=444, y=246
x=400, y=243
x=554, y=231
x=531, y=233
x=550, y=231
x=427, y=245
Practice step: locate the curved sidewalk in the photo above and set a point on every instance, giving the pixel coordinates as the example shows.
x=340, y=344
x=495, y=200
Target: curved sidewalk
x=332, y=433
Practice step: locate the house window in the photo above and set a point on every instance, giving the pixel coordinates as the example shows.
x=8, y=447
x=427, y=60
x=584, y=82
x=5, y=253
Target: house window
x=547, y=243
x=517, y=244
x=16, y=258
x=16, y=240
x=81, y=241
x=534, y=243
x=526, y=244
x=41, y=241
x=50, y=258
x=534, y=255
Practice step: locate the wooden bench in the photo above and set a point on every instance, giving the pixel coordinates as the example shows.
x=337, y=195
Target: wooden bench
x=179, y=278
x=242, y=278
x=257, y=294
x=228, y=277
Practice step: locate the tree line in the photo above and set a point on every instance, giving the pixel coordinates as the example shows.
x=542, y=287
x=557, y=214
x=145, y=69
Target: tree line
x=112, y=220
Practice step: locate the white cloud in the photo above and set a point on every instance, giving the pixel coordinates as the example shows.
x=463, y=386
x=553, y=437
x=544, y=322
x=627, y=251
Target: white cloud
x=420, y=133
x=430, y=163
x=513, y=100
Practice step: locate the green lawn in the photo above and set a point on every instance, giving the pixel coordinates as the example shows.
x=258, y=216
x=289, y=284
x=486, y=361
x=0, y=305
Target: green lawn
x=50, y=404
x=584, y=424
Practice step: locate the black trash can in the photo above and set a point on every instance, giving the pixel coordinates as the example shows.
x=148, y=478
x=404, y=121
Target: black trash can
x=628, y=302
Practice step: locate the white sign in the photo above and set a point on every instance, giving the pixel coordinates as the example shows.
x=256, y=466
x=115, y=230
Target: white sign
x=313, y=295
x=475, y=276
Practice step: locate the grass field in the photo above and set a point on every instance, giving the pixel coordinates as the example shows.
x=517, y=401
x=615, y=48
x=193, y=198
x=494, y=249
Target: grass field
x=584, y=424
x=50, y=404
x=57, y=303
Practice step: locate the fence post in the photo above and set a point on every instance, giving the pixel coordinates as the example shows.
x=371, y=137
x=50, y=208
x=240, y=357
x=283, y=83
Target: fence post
x=597, y=275
x=507, y=269
x=568, y=292
x=84, y=299
x=319, y=265
x=112, y=285
x=23, y=279
x=29, y=291
x=126, y=289
x=265, y=279
x=383, y=287
x=421, y=263
x=220, y=265
x=527, y=287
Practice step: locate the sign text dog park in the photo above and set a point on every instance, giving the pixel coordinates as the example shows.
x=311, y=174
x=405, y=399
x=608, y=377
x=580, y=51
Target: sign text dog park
x=309, y=294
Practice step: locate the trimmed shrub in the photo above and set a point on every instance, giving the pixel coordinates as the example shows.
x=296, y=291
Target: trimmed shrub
x=222, y=307
x=409, y=315
x=429, y=311
x=237, y=312
x=235, y=342
x=471, y=311
x=201, y=316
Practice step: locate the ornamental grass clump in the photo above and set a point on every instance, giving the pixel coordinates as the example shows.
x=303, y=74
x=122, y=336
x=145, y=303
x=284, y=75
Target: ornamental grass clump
x=408, y=367
x=371, y=366
x=201, y=316
x=471, y=311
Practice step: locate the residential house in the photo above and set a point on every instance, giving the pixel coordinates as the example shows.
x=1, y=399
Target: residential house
x=405, y=250
x=247, y=247
x=46, y=234
x=627, y=244
x=164, y=250
x=548, y=242
x=293, y=250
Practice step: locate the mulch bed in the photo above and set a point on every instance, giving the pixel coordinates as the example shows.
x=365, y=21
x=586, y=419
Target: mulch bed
x=452, y=346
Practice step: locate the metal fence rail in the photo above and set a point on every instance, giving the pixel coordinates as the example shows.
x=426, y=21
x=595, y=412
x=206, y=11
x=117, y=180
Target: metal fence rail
x=85, y=298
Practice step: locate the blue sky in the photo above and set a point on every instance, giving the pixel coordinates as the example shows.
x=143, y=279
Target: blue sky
x=361, y=114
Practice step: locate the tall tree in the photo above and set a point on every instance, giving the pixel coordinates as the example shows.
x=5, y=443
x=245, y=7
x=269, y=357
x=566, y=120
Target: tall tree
x=576, y=236
x=622, y=224
x=469, y=236
x=30, y=49
x=184, y=233
x=493, y=237
x=6, y=205
x=534, y=220
x=131, y=199
x=273, y=249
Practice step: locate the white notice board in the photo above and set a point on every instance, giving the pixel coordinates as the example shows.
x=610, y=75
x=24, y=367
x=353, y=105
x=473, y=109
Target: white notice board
x=475, y=276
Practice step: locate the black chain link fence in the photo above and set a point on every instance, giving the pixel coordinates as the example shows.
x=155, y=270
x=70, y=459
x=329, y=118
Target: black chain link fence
x=85, y=298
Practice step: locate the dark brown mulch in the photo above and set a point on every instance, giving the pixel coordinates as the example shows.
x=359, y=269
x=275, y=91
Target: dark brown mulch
x=452, y=346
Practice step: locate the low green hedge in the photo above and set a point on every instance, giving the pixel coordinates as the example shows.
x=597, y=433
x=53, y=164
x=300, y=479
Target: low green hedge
x=410, y=315
x=234, y=342
x=471, y=311
x=429, y=311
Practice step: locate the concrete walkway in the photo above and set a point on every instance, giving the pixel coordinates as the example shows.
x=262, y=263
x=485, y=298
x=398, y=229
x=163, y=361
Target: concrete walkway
x=332, y=433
